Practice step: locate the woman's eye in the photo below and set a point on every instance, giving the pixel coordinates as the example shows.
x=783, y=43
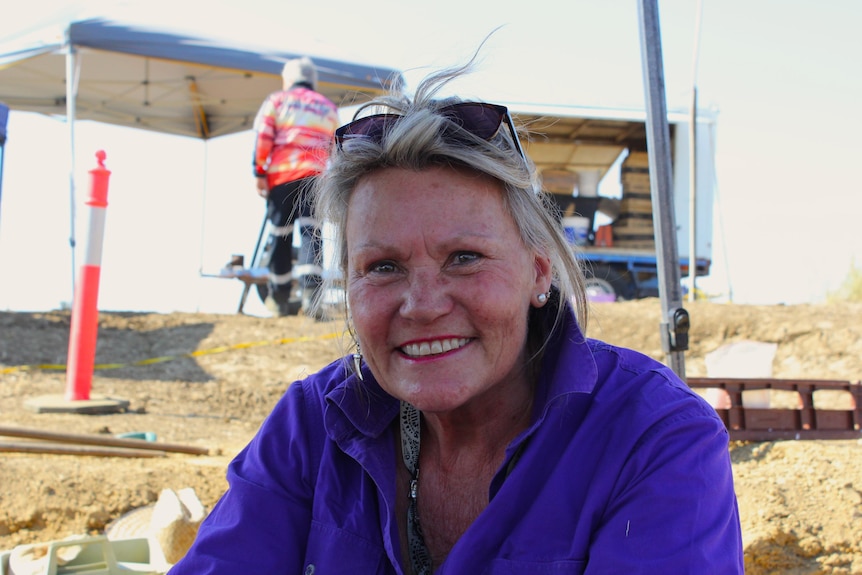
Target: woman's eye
x=461, y=258
x=384, y=267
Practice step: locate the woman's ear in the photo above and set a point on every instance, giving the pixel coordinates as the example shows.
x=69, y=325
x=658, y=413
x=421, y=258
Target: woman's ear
x=544, y=274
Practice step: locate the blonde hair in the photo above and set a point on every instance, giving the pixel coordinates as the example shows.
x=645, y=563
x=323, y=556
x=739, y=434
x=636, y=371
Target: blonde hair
x=419, y=140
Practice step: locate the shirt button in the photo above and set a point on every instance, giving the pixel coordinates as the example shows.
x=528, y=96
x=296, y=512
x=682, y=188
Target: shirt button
x=309, y=570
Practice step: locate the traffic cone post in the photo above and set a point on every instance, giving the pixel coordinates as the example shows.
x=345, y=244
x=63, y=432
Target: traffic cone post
x=85, y=314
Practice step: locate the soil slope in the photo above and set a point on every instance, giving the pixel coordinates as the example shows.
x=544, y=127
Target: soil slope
x=209, y=380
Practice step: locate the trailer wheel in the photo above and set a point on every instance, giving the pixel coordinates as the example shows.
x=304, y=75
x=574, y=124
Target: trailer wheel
x=607, y=279
x=597, y=287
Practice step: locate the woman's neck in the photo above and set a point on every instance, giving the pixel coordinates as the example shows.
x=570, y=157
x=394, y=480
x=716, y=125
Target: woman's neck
x=478, y=434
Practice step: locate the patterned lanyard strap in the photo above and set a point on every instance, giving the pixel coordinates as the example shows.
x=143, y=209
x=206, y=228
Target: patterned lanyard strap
x=420, y=559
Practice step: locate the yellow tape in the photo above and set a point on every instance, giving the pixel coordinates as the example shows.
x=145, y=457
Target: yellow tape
x=166, y=358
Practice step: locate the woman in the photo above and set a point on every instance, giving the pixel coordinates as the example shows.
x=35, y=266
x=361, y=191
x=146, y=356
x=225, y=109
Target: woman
x=540, y=451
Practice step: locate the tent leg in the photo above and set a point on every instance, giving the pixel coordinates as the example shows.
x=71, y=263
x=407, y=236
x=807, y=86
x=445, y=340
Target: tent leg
x=254, y=258
x=243, y=297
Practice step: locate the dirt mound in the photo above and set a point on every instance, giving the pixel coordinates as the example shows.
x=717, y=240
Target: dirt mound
x=209, y=380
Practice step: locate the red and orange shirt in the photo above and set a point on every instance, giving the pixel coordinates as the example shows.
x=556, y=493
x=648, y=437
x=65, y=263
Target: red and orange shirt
x=294, y=131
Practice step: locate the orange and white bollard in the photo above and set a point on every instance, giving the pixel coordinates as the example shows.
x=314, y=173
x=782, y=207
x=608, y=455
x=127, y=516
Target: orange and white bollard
x=85, y=311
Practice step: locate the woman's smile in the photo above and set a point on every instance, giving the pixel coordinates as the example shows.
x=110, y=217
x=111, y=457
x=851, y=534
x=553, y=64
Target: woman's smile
x=433, y=347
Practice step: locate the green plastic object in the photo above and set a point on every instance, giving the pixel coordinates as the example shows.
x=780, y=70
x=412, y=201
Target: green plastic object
x=145, y=435
x=98, y=556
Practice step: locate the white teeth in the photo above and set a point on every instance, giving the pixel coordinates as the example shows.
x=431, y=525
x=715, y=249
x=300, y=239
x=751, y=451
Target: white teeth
x=435, y=347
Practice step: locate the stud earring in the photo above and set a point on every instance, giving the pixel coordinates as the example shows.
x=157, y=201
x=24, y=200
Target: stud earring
x=543, y=298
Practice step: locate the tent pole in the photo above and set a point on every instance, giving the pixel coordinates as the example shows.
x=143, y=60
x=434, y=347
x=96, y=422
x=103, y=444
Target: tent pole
x=675, y=322
x=203, y=223
x=4, y=117
x=71, y=94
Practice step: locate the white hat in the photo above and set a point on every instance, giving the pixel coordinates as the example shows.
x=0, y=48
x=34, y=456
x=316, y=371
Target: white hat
x=299, y=70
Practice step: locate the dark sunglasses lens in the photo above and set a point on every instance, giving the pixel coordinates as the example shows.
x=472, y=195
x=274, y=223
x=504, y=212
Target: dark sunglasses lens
x=479, y=119
x=367, y=127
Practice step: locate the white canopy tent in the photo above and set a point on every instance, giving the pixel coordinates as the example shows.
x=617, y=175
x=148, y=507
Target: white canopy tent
x=158, y=79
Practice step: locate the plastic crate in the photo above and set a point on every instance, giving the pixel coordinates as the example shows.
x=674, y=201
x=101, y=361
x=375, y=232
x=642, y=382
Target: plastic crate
x=98, y=556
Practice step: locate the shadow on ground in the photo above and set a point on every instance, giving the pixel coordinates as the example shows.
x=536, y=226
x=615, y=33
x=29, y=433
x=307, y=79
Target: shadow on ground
x=40, y=341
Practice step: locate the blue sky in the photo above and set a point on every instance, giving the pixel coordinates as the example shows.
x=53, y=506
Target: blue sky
x=784, y=76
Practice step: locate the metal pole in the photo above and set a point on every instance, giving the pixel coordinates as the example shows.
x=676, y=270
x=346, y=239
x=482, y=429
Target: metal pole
x=254, y=258
x=674, y=326
x=692, y=201
x=71, y=89
x=692, y=162
x=4, y=117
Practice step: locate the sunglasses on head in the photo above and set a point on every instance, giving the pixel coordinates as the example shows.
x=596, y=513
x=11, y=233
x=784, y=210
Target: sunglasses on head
x=478, y=118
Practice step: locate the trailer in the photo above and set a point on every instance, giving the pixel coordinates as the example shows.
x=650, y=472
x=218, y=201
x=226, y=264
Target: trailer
x=595, y=164
x=624, y=274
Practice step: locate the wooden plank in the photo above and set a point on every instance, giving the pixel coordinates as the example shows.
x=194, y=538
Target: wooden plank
x=636, y=160
x=103, y=440
x=558, y=181
x=635, y=206
x=66, y=449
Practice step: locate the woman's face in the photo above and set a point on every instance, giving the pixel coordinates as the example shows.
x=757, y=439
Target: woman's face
x=440, y=285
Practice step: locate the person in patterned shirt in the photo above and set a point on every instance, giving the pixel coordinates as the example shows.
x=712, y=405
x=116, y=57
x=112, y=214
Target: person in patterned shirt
x=293, y=135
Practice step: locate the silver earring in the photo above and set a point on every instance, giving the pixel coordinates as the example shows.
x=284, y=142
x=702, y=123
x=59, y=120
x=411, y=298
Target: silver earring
x=357, y=362
x=543, y=298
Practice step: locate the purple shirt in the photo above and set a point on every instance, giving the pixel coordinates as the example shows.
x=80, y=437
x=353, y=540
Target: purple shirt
x=624, y=470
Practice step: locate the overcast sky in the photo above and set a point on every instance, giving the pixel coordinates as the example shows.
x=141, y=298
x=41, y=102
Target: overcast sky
x=783, y=76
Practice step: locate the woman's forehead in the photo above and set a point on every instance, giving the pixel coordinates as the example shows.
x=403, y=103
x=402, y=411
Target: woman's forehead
x=398, y=201
x=440, y=189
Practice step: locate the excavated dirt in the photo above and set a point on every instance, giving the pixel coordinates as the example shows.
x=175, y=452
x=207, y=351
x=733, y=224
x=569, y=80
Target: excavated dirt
x=209, y=380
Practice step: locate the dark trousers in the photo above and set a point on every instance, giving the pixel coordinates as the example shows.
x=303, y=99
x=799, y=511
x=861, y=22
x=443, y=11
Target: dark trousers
x=285, y=204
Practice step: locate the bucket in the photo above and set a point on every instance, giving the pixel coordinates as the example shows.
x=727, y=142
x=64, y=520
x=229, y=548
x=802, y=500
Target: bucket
x=577, y=230
x=588, y=183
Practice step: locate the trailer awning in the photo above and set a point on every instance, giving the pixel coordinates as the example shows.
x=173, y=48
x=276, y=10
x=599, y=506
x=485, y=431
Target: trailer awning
x=574, y=141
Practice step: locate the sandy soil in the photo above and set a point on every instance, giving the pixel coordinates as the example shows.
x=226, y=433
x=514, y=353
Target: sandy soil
x=215, y=377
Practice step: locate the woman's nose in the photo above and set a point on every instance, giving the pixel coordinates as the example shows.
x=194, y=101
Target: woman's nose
x=427, y=295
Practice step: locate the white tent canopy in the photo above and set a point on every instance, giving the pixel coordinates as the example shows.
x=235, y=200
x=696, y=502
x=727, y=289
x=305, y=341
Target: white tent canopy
x=160, y=79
